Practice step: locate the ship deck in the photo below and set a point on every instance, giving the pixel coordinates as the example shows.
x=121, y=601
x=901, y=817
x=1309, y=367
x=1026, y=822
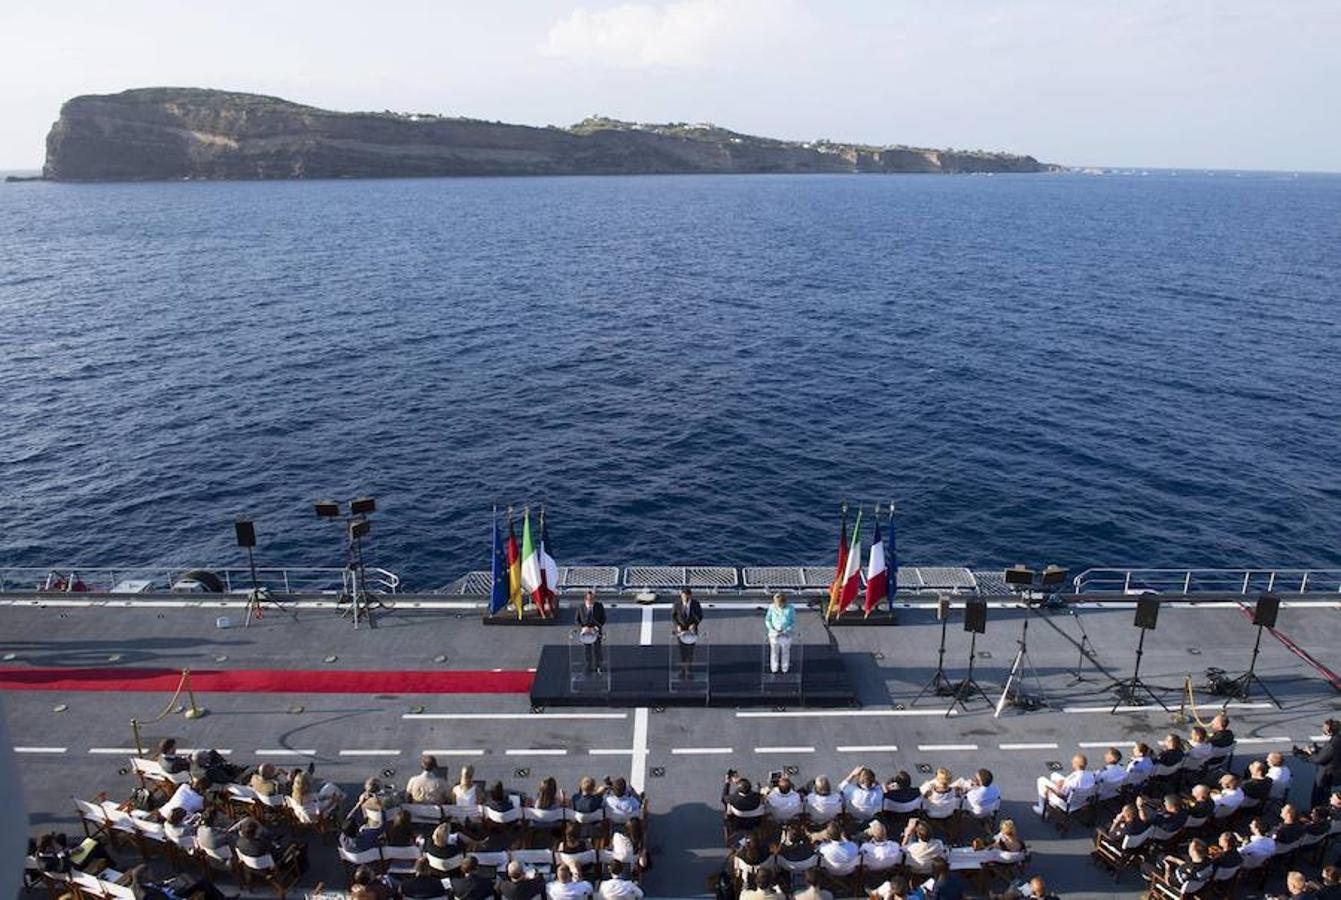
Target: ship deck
x=677, y=755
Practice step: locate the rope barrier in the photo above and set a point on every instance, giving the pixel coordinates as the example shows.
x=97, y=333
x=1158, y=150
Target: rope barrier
x=193, y=711
x=1192, y=702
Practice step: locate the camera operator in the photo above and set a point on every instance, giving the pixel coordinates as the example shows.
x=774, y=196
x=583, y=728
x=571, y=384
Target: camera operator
x=1326, y=759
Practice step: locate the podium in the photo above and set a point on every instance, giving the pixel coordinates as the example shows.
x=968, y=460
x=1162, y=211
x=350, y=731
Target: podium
x=588, y=662
x=687, y=663
x=780, y=683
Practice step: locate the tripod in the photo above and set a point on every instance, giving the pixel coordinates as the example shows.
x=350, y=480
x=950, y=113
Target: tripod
x=939, y=684
x=1244, y=682
x=258, y=596
x=1086, y=651
x=968, y=687
x=1013, y=694
x=1130, y=689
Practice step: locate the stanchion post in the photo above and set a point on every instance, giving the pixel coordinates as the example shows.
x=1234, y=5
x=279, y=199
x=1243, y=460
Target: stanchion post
x=193, y=711
x=135, y=729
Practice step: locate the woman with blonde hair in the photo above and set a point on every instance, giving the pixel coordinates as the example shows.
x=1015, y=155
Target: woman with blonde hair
x=464, y=792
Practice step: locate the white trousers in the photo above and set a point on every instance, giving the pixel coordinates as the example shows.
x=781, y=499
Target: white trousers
x=1053, y=781
x=779, y=648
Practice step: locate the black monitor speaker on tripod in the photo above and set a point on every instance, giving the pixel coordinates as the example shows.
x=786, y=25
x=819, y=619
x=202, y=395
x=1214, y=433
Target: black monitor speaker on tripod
x=1019, y=576
x=975, y=616
x=1266, y=611
x=1147, y=613
x=246, y=533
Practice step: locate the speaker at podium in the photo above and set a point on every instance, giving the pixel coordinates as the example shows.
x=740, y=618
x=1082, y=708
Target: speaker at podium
x=688, y=661
x=588, y=661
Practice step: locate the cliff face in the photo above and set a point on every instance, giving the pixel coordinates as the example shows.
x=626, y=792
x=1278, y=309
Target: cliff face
x=175, y=133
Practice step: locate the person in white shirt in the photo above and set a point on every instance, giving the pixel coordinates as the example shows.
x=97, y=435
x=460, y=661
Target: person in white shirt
x=428, y=786
x=464, y=792
x=1259, y=843
x=1199, y=746
x=1279, y=774
x=920, y=849
x=784, y=803
x=839, y=855
x=864, y=796
x=880, y=853
x=1055, y=785
x=1112, y=774
x=567, y=885
x=983, y=796
x=621, y=800
x=812, y=890
x=1141, y=763
x=822, y=803
x=617, y=887
x=1229, y=797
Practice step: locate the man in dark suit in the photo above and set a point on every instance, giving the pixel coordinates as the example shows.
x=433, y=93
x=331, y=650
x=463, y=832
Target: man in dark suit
x=423, y=885
x=470, y=884
x=591, y=620
x=1326, y=759
x=519, y=886
x=687, y=614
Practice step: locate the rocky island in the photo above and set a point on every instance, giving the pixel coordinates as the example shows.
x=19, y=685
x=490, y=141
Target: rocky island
x=151, y=134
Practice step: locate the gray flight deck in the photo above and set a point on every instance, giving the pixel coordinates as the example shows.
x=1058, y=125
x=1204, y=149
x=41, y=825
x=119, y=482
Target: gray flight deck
x=678, y=755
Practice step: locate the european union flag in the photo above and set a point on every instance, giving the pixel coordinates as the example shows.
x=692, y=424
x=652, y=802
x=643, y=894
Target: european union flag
x=498, y=596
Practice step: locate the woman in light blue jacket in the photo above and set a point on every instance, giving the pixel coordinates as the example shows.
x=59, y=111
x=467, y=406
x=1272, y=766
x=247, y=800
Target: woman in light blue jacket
x=780, y=623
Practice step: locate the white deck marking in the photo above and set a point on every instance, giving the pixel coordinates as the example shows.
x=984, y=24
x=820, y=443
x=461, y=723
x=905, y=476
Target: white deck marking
x=108, y=751
x=610, y=751
x=1264, y=740
x=701, y=751
x=39, y=749
x=930, y=747
x=638, y=765
x=867, y=748
x=370, y=753
x=645, y=632
x=452, y=752
x=1090, y=744
x=536, y=751
x=1026, y=746
x=784, y=749
x=515, y=717
x=1152, y=708
x=839, y=713
x=283, y=751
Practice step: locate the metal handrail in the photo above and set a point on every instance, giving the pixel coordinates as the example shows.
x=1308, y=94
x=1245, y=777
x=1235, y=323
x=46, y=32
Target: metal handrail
x=102, y=579
x=1184, y=582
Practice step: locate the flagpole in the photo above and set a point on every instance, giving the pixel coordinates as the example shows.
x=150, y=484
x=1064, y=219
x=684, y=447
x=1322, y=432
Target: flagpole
x=891, y=561
x=836, y=586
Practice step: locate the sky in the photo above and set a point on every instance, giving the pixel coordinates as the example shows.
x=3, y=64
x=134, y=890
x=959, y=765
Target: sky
x=1182, y=83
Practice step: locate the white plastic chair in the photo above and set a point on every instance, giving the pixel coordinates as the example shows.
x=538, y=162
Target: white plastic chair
x=400, y=860
x=425, y=813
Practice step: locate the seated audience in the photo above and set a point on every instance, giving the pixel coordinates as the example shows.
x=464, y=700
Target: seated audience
x=1221, y=736
x=839, y=855
x=521, y=884
x=765, y=887
x=429, y=786
x=568, y=885
x=879, y=852
x=814, y=889
x=1200, y=806
x=169, y=760
x=783, y=800
x=365, y=885
x=469, y=884
x=267, y=781
x=1171, y=751
x=1230, y=796
x=1141, y=765
x=497, y=798
x=588, y=798
x=982, y=795
x=822, y=803
x=1259, y=843
x=618, y=886
x=900, y=789
x=1257, y=786
x=920, y=849
x=464, y=792
x=1279, y=773
x=863, y=795
x=1007, y=838
x=1055, y=785
x=946, y=885
x=1113, y=774
x=423, y=885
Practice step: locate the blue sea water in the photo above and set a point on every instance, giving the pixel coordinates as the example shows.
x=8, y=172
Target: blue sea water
x=1086, y=370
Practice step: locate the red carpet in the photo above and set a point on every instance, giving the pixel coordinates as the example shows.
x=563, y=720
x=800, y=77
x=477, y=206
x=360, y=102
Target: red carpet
x=267, y=681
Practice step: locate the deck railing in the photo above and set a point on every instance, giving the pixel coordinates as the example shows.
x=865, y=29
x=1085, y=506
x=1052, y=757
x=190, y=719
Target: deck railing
x=1184, y=582
x=159, y=579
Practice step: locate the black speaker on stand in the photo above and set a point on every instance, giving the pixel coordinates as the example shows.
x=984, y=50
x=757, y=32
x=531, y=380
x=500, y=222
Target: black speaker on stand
x=975, y=623
x=1265, y=613
x=1131, y=689
x=245, y=531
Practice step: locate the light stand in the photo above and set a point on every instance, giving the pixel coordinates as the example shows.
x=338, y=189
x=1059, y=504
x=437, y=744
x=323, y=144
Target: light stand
x=1244, y=682
x=354, y=590
x=939, y=685
x=1013, y=694
x=1086, y=650
x=1130, y=689
x=968, y=688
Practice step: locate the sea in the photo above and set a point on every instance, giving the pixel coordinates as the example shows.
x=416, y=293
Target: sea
x=1061, y=368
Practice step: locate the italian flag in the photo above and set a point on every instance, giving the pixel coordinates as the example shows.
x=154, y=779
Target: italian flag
x=549, y=569
x=514, y=567
x=532, y=575
x=851, y=571
x=877, y=573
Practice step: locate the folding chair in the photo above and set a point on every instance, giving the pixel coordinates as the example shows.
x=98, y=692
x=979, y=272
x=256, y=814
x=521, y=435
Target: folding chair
x=1160, y=888
x=252, y=867
x=1220, y=758
x=241, y=801
x=94, y=819
x=984, y=817
x=310, y=817
x=400, y=860
x=462, y=814
x=1254, y=869
x=352, y=859
x=735, y=820
x=151, y=835
x=211, y=860
x=151, y=775
x=445, y=865
x=544, y=820
x=943, y=809
x=1074, y=804
x=490, y=861
x=272, y=808
x=122, y=823
x=540, y=861
x=821, y=810
x=88, y=887
x=1223, y=882
x=1118, y=857
x=1162, y=777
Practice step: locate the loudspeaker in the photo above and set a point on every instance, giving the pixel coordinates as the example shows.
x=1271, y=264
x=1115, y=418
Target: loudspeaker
x=1266, y=610
x=361, y=506
x=1054, y=576
x=246, y=533
x=1147, y=613
x=360, y=528
x=942, y=608
x=328, y=509
x=975, y=616
x=1019, y=576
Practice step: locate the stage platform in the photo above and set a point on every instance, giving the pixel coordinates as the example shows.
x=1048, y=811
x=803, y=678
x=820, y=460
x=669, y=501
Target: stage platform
x=639, y=677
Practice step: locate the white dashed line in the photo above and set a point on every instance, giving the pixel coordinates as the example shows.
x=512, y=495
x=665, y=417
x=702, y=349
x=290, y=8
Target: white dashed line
x=701, y=751
x=452, y=752
x=1026, y=746
x=110, y=751
x=611, y=751
x=530, y=717
x=284, y=751
x=370, y=753
x=1152, y=708
x=39, y=749
x=1264, y=740
x=840, y=713
x=784, y=749
x=930, y=747
x=535, y=751
x=1091, y=744
x=867, y=748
